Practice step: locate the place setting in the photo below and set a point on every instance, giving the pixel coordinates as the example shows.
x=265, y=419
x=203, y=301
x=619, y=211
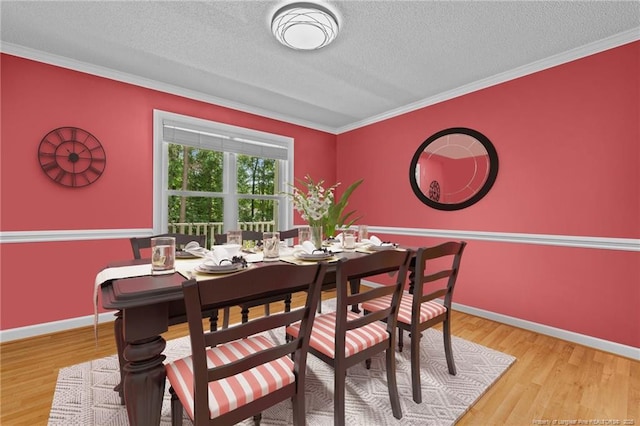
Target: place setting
x=225, y=266
x=220, y=260
x=359, y=240
x=306, y=252
x=374, y=244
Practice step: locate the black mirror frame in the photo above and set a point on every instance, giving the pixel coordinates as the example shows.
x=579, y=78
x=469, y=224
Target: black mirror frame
x=491, y=178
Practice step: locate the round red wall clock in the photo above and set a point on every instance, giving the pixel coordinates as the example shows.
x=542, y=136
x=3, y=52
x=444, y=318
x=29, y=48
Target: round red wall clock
x=72, y=157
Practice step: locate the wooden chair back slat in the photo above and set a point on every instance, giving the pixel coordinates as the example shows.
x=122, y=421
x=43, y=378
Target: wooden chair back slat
x=289, y=233
x=453, y=251
x=368, y=266
x=257, y=325
x=251, y=361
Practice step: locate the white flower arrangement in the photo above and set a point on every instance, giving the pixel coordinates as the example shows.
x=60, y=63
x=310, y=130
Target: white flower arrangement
x=317, y=206
x=314, y=204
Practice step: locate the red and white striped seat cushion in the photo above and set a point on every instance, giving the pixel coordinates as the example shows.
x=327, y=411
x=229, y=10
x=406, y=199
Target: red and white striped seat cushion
x=428, y=310
x=323, y=336
x=227, y=394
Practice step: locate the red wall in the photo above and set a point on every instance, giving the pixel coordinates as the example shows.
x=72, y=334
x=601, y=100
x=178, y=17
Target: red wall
x=568, y=140
x=43, y=282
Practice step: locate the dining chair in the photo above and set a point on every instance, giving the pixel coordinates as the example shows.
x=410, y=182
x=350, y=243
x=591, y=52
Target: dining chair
x=419, y=311
x=289, y=233
x=138, y=243
x=343, y=338
x=236, y=373
x=246, y=236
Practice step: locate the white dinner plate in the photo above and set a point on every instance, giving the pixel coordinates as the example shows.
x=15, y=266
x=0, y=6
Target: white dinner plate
x=185, y=255
x=313, y=256
x=218, y=269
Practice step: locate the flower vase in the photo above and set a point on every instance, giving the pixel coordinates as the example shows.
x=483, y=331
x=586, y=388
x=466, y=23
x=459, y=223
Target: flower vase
x=316, y=236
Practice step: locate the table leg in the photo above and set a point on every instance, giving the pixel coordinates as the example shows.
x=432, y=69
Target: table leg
x=144, y=380
x=412, y=279
x=412, y=283
x=119, y=336
x=287, y=303
x=213, y=320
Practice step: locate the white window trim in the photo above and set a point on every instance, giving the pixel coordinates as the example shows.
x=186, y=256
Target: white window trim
x=161, y=159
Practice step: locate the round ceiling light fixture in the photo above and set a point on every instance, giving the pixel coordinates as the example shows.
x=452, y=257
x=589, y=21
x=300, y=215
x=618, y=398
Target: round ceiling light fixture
x=304, y=26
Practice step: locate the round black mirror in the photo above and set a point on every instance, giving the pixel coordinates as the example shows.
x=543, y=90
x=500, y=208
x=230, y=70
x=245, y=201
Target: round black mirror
x=453, y=169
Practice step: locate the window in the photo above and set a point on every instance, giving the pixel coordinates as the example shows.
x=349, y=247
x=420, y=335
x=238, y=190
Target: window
x=211, y=177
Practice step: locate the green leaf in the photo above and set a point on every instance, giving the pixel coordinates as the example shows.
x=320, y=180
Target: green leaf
x=336, y=218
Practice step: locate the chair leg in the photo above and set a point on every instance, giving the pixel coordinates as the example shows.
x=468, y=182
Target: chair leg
x=298, y=408
x=267, y=310
x=400, y=341
x=392, y=383
x=415, y=367
x=225, y=320
x=446, y=330
x=176, y=408
x=257, y=419
x=338, y=397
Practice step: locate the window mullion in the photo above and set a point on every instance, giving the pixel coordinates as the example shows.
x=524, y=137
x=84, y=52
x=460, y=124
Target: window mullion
x=230, y=185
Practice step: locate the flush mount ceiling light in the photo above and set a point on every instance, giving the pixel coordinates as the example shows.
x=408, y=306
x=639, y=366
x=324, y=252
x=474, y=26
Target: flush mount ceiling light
x=304, y=26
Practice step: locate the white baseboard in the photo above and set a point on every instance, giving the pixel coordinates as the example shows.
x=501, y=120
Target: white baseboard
x=52, y=327
x=570, y=336
x=582, y=339
x=558, y=333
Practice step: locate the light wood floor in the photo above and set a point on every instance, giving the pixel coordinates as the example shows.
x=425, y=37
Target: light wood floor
x=552, y=380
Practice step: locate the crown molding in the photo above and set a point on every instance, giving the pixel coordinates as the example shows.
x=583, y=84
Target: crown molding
x=550, y=62
x=75, y=65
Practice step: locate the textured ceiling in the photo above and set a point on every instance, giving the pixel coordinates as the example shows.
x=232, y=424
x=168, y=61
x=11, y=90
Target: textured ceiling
x=388, y=56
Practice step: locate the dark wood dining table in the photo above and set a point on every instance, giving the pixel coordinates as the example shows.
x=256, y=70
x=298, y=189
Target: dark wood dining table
x=147, y=306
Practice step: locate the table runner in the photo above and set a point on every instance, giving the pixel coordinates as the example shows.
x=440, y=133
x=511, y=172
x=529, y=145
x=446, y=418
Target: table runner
x=183, y=266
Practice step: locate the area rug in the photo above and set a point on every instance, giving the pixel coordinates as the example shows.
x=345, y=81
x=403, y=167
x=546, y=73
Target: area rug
x=84, y=393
